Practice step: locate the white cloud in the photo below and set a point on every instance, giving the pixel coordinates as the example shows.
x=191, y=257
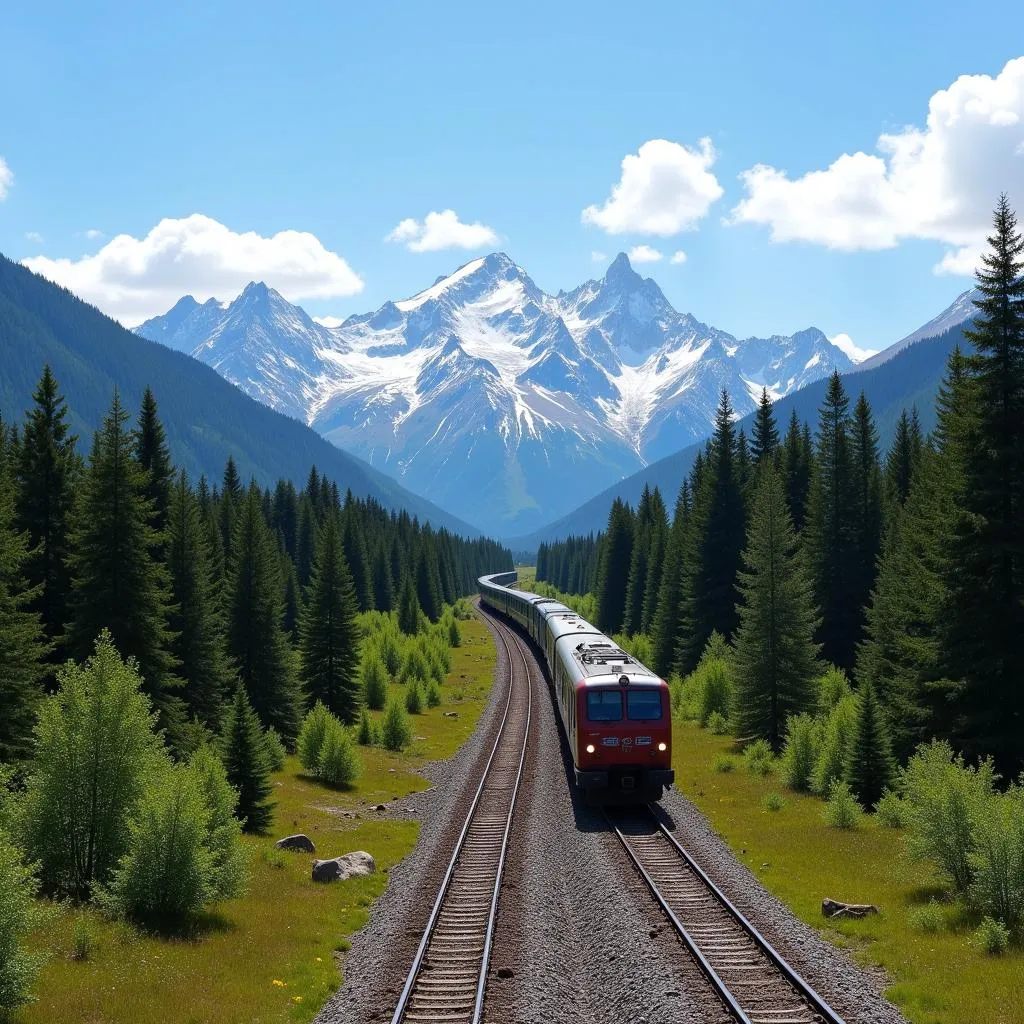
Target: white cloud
x=938, y=183
x=132, y=278
x=644, y=254
x=34, y=237
x=678, y=257
x=598, y=257
x=93, y=233
x=6, y=178
x=665, y=188
x=329, y=321
x=845, y=344
x=441, y=230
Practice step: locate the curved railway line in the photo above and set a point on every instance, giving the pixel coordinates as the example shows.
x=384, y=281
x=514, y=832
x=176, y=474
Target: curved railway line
x=752, y=979
x=447, y=981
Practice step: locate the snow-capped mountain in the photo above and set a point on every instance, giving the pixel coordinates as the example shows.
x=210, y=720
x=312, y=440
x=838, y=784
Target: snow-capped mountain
x=504, y=404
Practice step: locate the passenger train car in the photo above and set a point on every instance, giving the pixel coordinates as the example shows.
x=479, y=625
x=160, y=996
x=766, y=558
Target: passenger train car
x=616, y=713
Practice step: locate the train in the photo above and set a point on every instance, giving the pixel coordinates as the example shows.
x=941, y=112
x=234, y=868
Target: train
x=616, y=712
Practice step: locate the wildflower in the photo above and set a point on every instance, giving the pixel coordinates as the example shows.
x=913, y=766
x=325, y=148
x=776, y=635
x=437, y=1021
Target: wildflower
x=319, y=959
x=277, y=983
x=296, y=999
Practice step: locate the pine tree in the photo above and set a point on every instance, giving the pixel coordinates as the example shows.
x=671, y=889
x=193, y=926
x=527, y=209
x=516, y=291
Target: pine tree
x=765, y=434
x=867, y=493
x=655, y=561
x=797, y=456
x=428, y=583
x=775, y=656
x=356, y=558
x=47, y=470
x=408, y=608
x=245, y=761
x=639, y=567
x=196, y=617
x=383, y=585
x=230, y=499
x=613, y=569
x=329, y=633
x=901, y=461
x=665, y=626
x=985, y=644
x=117, y=583
x=831, y=530
x=291, y=597
x=256, y=640
x=152, y=454
x=22, y=645
x=871, y=769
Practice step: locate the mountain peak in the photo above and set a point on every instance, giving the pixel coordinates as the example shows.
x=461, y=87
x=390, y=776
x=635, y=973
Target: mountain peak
x=621, y=272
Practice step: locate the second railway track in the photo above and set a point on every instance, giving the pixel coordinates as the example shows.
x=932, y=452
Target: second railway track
x=752, y=979
x=447, y=981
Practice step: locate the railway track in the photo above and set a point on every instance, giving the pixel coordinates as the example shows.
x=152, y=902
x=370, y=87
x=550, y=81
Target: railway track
x=448, y=977
x=752, y=979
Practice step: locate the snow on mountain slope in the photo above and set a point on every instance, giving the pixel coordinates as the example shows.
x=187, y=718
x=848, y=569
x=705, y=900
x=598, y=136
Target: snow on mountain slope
x=506, y=405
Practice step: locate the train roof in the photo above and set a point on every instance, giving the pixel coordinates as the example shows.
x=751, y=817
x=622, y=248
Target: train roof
x=599, y=660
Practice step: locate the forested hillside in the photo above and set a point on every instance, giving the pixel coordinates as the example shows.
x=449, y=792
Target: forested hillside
x=206, y=419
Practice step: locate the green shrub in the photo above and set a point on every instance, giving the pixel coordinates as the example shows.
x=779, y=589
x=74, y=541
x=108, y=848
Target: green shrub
x=944, y=799
x=339, y=764
x=773, y=802
x=223, y=829
x=364, y=734
x=462, y=610
x=396, y=733
x=723, y=763
x=375, y=680
x=275, y=749
x=842, y=810
x=19, y=914
x=390, y=652
x=717, y=724
x=454, y=633
x=716, y=649
x=433, y=695
x=414, y=665
x=891, y=811
x=800, y=753
x=992, y=937
x=836, y=742
x=312, y=735
x=997, y=860
x=928, y=918
x=713, y=684
x=758, y=757
x=414, y=698
x=81, y=939
x=833, y=689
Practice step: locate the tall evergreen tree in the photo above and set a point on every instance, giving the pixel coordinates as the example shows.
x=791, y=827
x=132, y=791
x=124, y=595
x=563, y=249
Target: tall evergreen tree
x=775, y=657
x=196, y=616
x=613, y=568
x=765, y=435
x=244, y=753
x=408, y=608
x=831, y=530
x=155, y=459
x=256, y=640
x=655, y=561
x=329, y=631
x=797, y=460
x=867, y=496
x=354, y=547
x=636, y=586
x=383, y=586
x=986, y=622
x=47, y=470
x=871, y=769
x=118, y=585
x=22, y=645
x=900, y=462
x=665, y=625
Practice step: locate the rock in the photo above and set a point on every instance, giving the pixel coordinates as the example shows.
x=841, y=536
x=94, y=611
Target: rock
x=833, y=908
x=337, y=869
x=505, y=972
x=451, y=714
x=296, y=842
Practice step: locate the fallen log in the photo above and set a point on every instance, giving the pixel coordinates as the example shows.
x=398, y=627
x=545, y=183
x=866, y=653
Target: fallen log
x=834, y=908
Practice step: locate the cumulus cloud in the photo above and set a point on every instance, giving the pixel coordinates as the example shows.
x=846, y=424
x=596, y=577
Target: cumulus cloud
x=34, y=237
x=329, y=321
x=644, y=254
x=678, y=257
x=132, y=279
x=938, y=183
x=441, y=230
x=93, y=233
x=665, y=188
x=846, y=345
x=6, y=178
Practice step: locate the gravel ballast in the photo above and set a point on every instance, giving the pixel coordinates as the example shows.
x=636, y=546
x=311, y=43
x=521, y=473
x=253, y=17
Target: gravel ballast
x=579, y=936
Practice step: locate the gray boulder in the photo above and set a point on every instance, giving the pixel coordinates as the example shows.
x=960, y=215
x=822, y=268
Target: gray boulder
x=337, y=869
x=299, y=842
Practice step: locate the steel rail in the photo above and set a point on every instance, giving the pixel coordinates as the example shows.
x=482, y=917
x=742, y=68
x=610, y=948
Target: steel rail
x=819, y=1009
x=416, y=971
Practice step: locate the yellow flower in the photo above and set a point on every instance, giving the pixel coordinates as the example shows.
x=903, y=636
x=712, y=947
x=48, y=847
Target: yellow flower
x=296, y=999
x=319, y=959
x=279, y=984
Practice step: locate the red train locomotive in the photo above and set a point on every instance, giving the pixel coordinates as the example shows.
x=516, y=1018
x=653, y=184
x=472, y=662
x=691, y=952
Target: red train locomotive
x=616, y=713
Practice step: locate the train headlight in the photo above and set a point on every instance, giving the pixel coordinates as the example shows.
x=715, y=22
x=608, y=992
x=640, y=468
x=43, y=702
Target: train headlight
x=590, y=748
x=663, y=747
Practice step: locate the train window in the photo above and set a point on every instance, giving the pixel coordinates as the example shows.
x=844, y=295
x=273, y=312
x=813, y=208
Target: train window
x=643, y=705
x=604, y=706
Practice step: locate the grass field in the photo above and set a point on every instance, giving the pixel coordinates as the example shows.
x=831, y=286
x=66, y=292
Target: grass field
x=937, y=978
x=268, y=956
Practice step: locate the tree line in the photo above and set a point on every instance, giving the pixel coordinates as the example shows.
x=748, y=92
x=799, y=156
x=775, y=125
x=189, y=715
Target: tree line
x=204, y=587
x=810, y=547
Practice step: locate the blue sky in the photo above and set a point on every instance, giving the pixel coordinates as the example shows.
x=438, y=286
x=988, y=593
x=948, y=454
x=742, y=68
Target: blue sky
x=341, y=123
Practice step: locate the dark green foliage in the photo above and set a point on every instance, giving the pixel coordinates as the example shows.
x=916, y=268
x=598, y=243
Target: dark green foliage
x=356, y=558
x=244, y=754
x=871, y=769
x=665, y=619
x=19, y=914
x=765, y=433
x=155, y=460
x=428, y=580
x=985, y=643
x=797, y=456
x=329, y=634
x=408, y=608
x=901, y=462
x=396, y=732
x=195, y=617
x=256, y=640
x=613, y=568
x=867, y=501
x=649, y=530
x=383, y=585
x=47, y=470
x=117, y=584
x=775, y=654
